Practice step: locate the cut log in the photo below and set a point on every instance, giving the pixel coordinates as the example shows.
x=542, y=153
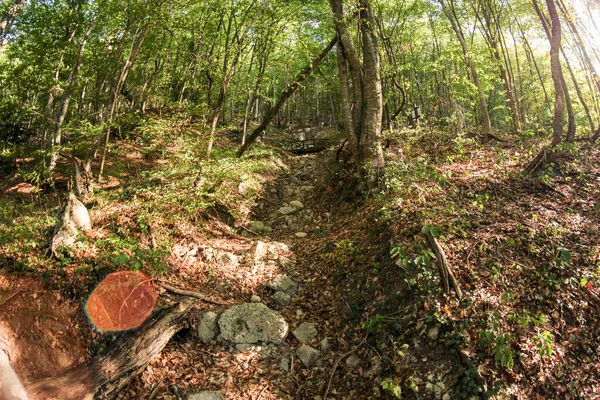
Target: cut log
x=113, y=369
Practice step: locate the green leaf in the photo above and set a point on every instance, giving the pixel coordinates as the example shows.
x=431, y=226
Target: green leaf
x=120, y=259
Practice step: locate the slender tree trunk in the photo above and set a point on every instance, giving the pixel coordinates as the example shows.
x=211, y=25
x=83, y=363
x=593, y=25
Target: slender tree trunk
x=137, y=44
x=63, y=105
x=8, y=19
x=485, y=115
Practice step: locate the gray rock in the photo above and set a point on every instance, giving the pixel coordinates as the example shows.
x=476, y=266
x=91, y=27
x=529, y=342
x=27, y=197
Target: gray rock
x=307, y=355
x=353, y=361
x=252, y=323
x=258, y=251
x=286, y=210
x=305, y=332
x=297, y=204
x=257, y=226
x=283, y=283
x=324, y=345
x=282, y=298
x=255, y=299
x=229, y=259
x=284, y=364
x=207, y=326
x=206, y=395
x=433, y=332
x=247, y=347
x=301, y=235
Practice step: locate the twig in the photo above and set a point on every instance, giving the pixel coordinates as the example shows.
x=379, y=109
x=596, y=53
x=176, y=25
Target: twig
x=445, y=270
x=338, y=362
x=196, y=295
x=155, y=391
x=261, y=392
x=11, y=296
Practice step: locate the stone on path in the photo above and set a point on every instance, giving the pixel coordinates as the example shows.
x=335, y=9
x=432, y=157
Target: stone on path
x=283, y=283
x=282, y=298
x=207, y=326
x=284, y=364
x=286, y=210
x=257, y=226
x=259, y=250
x=353, y=361
x=252, y=323
x=229, y=259
x=301, y=235
x=255, y=299
x=206, y=395
x=297, y=204
x=305, y=332
x=307, y=355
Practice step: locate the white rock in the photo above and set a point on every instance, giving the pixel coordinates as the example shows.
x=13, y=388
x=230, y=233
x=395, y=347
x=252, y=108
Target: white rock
x=207, y=326
x=252, y=323
x=283, y=283
x=259, y=250
x=206, y=395
x=301, y=235
x=255, y=299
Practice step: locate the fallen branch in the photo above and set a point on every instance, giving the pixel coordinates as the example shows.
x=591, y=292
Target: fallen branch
x=445, y=271
x=195, y=295
x=338, y=363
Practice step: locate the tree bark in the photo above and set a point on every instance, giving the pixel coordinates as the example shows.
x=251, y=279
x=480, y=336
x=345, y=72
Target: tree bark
x=8, y=19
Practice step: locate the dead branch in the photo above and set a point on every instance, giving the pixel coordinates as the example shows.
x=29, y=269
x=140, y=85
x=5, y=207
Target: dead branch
x=445, y=271
x=195, y=295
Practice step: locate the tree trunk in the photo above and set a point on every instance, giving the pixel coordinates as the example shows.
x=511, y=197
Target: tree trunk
x=451, y=15
x=113, y=369
x=8, y=19
x=285, y=95
x=135, y=47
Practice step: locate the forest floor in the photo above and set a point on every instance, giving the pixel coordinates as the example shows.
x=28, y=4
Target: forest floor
x=525, y=251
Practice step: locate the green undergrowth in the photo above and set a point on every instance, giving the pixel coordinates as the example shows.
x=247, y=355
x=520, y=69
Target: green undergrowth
x=158, y=190
x=521, y=247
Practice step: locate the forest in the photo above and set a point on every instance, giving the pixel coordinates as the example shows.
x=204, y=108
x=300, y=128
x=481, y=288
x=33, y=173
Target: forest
x=299, y=199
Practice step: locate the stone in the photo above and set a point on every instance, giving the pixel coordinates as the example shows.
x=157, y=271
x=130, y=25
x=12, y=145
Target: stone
x=255, y=299
x=207, y=327
x=284, y=364
x=305, y=332
x=257, y=226
x=299, y=313
x=206, y=395
x=353, y=361
x=258, y=251
x=283, y=283
x=446, y=396
x=324, y=345
x=229, y=259
x=286, y=210
x=307, y=355
x=301, y=235
x=247, y=347
x=245, y=187
x=297, y=204
x=252, y=323
x=282, y=298
x=433, y=332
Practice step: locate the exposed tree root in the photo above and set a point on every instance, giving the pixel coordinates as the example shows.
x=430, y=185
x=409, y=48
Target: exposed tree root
x=446, y=273
x=195, y=295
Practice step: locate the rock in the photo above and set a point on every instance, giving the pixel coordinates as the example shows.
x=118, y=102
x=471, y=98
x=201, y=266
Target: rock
x=252, y=323
x=257, y=226
x=297, y=204
x=353, y=361
x=446, y=396
x=247, y=347
x=245, y=187
x=284, y=364
x=229, y=259
x=282, y=298
x=324, y=345
x=207, y=326
x=75, y=218
x=258, y=251
x=305, y=332
x=206, y=395
x=283, y=283
x=286, y=210
x=433, y=332
x=255, y=299
x=307, y=355
x=299, y=313
x=301, y=235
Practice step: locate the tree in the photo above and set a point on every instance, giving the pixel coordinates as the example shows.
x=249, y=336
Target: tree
x=361, y=96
